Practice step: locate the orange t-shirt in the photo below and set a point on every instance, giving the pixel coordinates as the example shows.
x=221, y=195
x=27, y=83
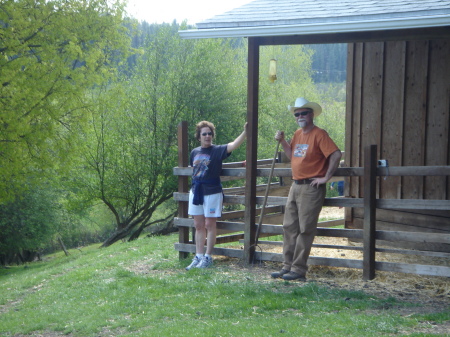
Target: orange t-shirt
x=310, y=153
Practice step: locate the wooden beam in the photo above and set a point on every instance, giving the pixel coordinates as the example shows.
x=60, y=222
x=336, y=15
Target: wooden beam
x=370, y=158
x=236, y=226
x=252, y=148
x=332, y=262
x=340, y=172
x=278, y=201
x=312, y=260
x=413, y=236
x=413, y=252
x=183, y=183
x=354, y=37
x=185, y=247
x=240, y=190
x=315, y=245
x=229, y=238
x=413, y=269
x=415, y=204
x=340, y=232
x=240, y=214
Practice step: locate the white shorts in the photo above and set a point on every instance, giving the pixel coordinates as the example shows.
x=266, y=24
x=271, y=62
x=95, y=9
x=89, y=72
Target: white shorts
x=211, y=208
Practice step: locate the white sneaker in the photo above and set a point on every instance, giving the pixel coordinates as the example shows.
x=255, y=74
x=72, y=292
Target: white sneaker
x=205, y=262
x=194, y=263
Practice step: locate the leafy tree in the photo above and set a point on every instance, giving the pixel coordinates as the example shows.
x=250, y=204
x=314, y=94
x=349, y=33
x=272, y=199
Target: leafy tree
x=51, y=53
x=132, y=146
x=27, y=223
x=332, y=100
x=329, y=62
x=293, y=80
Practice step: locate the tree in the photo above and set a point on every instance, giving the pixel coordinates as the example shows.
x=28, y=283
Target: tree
x=329, y=62
x=132, y=146
x=27, y=223
x=293, y=80
x=51, y=53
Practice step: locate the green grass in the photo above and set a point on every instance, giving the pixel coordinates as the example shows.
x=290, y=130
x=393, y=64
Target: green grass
x=141, y=289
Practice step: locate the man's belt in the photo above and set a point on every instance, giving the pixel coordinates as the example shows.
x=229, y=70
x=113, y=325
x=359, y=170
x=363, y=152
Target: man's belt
x=303, y=182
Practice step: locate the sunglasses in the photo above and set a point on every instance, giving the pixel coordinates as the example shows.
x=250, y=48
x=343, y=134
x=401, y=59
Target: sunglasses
x=303, y=113
x=206, y=134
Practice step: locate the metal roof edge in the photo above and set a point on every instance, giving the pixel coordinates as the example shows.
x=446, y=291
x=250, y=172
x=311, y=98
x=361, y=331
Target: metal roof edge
x=319, y=28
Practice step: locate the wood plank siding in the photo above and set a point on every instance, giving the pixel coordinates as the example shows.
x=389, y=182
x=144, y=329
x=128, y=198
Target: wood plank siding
x=398, y=97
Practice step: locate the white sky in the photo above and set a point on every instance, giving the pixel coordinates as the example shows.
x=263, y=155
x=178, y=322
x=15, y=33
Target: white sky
x=159, y=11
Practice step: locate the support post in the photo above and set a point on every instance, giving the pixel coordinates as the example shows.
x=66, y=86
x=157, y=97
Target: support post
x=183, y=183
x=252, y=149
x=370, y=170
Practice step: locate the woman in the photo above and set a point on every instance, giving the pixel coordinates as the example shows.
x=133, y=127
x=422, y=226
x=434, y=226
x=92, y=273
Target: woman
x=206, y=196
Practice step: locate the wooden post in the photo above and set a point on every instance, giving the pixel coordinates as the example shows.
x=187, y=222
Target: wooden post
x=63, y=246
x=252, y=149
x=183, y=183
x=370, y=170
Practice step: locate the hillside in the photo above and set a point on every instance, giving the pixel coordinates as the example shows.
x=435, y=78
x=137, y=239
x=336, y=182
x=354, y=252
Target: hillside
x=141, y=289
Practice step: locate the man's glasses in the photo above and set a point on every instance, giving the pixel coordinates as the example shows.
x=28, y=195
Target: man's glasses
x=303, y=113
x=206, y=134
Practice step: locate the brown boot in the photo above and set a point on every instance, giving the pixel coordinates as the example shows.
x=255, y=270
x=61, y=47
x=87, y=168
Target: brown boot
x=291, y=276
x=280, y=273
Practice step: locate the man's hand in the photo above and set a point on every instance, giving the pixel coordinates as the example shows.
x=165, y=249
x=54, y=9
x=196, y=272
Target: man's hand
x=279, y=136
x=318, y=181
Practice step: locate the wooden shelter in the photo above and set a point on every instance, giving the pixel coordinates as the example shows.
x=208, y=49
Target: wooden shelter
x=398, y=99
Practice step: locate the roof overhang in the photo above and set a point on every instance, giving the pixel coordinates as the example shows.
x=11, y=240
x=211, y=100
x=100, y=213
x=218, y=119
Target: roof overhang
x=320, y=28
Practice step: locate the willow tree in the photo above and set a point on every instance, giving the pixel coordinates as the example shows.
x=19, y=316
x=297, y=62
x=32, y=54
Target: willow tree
x=132, y=146
x=52, y=52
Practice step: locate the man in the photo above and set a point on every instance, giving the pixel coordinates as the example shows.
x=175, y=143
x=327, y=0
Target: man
x=314, y=158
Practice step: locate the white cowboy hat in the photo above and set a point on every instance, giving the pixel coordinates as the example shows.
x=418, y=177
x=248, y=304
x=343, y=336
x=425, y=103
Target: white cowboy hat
x=304, y=103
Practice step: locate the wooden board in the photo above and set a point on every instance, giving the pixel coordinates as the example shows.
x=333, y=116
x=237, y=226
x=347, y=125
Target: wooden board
x=391, y=145
x=437, y=134
x=415, y=115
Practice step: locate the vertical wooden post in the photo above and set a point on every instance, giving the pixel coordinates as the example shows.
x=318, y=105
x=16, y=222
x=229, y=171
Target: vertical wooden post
x=370, y=170
x=183, y=182
x=252, y=149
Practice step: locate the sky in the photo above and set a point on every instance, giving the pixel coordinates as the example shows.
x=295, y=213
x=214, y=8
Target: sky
x=159, y=11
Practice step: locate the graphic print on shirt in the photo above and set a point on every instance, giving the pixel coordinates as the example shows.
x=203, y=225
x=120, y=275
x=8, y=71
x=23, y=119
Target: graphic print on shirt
x=300, y=150
x=201, y=162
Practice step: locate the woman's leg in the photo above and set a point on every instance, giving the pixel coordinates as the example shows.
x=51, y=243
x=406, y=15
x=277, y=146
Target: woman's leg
x=200, y=233
x=211, y=230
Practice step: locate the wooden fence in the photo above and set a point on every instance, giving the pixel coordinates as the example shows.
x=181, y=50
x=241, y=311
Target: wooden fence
x=368, y=235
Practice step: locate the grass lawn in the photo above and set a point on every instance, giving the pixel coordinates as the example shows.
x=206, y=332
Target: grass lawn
x=141, y=289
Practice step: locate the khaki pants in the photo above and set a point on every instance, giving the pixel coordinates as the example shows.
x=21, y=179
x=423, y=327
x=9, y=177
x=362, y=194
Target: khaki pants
x=300, y=224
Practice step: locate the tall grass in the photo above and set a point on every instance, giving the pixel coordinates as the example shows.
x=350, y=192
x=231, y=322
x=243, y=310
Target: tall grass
x=141, y=289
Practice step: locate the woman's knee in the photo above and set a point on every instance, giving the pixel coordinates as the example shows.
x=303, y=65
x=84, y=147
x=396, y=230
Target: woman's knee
x=210, y=223
x=199, y=222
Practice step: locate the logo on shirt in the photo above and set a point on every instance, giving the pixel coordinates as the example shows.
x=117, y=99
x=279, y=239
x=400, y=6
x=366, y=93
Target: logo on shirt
x=201, y=162
x=300, y=150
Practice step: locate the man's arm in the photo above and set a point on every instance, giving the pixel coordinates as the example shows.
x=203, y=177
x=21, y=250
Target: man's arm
x=333, y=164
x=279, y=136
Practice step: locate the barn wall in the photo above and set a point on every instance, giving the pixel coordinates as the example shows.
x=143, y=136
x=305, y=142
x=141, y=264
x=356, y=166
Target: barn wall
x=398, y=97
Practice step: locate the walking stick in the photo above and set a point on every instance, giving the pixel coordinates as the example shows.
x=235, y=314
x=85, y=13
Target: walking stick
x=258, y=230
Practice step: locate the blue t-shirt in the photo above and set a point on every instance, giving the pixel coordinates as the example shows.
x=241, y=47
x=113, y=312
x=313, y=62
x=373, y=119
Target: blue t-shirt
x=207, y=164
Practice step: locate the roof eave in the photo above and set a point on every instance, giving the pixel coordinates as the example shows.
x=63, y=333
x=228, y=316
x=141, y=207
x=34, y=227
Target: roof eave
x=319, y=28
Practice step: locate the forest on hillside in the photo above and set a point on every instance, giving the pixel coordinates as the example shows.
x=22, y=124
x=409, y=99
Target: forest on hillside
x=89, y=108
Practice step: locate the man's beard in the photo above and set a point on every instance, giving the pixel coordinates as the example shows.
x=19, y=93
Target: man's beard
x=301, y=123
